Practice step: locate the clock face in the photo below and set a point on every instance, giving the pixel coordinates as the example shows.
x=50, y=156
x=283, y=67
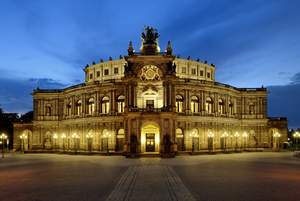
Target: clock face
x=150, y=72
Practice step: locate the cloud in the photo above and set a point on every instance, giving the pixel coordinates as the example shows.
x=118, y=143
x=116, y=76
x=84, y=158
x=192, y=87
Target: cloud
x=296, y=79
x=15, y=95
x=284, y=101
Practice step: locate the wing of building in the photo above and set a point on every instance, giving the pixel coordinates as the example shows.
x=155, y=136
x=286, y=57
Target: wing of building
x=150, y=101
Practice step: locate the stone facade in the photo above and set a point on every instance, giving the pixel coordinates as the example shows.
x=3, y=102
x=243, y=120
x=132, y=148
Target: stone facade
x=151, y=102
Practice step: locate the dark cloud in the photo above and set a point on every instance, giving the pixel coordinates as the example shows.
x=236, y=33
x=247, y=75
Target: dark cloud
x=15, y=95
x=284, y=101
x=296, y=79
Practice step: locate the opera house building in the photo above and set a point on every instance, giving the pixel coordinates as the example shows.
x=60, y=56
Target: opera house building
x=150, y=101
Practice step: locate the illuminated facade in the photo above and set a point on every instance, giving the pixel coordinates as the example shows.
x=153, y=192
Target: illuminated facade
x=150, y=101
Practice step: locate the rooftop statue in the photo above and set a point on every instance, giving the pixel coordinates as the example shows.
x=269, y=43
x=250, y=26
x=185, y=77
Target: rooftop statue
x=150, y=35
x=150, y=41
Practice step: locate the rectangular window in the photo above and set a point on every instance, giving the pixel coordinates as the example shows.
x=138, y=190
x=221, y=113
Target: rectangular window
x=106, y=72
x=98, y=73
x=183, y=70
x=91, y=76
x=201, y=73
x=208, y=75
x=193, y=71
x=116, y=70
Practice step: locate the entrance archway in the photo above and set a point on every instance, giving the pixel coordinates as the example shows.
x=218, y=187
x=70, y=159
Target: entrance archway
x=150, y=137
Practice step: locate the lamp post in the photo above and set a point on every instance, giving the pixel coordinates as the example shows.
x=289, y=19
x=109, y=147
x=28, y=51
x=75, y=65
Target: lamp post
x=236, y=135
x=276, y=136
x=22, y=138
x=55, y=139
x=89, y=137
x=193, y=135
x=63, y=137
x=75, y=138
x=296, y=135
x=224, y=137
x=3, y=138
x=210, y=136
x=106, y=136
x=245, y=136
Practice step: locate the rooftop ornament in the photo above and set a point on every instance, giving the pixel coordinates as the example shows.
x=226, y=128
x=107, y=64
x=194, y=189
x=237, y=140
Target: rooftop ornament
x=150, y=41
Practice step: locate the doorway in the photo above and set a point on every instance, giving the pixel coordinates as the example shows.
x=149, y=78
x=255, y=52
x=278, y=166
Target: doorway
x=150, y=142
x=150, y=137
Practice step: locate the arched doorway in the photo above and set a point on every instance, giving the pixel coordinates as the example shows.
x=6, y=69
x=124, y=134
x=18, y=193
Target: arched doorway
x=150, y=137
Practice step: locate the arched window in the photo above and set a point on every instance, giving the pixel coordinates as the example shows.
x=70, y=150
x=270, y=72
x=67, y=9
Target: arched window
x=69, y=109
x=230, y=106
x=194, y=104
x=78, y=107
x=105, y=105
x=179, y=103
x=91, y=106
x=221, y=108
x=48, y=110
x=251, y=108
x=121, y=104
x=208, y=105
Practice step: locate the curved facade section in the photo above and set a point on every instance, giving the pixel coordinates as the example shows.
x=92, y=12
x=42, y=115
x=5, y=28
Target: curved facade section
x=151, y=102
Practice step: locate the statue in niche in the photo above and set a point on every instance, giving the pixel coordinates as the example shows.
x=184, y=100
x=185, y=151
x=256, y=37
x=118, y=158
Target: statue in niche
x=171, y=67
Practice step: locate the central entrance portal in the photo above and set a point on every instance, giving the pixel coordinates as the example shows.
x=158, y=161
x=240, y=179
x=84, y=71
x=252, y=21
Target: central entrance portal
x=150, y=137
x=150, y=142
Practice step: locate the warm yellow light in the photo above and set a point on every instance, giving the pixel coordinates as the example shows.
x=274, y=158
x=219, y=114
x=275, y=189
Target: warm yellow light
x=55, y=136
x=74, y=135
x=245, y=134
x=3, y=136
x=210, y=134
x=89, y=135
x=236, y=134
x=276, y=135
x=296, y=134
x=63, y=136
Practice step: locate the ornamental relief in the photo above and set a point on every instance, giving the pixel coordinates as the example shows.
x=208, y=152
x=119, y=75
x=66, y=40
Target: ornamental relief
x=150, y=73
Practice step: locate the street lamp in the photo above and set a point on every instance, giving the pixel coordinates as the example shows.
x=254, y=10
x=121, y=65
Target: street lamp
x=236, y=135
x=276, y=136
x=296, y=135
x=210, y=136
x=63, y=136
x=245, y=136
x=3, y=137
x=55, y=139
x=89, y=137
x=224, y=137
x=193, y=135
x=23, y=137
x=75, y=140
x=107, y=135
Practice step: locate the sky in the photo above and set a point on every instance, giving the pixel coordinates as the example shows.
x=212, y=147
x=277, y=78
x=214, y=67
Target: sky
x=46, y=44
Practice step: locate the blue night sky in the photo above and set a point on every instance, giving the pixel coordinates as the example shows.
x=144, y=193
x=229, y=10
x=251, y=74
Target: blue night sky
x=253, y=43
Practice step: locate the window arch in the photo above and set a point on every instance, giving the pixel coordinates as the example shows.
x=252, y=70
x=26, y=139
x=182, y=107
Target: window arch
x=121, y=104
x=194, y=104
x=48, y=110
x=221, y=106
x=179, y=103
x=231, y=109
x=209, y=105
x=78, y=107
x=251, y=108
x=105, y=105
x=91, y=106
x=69, y=108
